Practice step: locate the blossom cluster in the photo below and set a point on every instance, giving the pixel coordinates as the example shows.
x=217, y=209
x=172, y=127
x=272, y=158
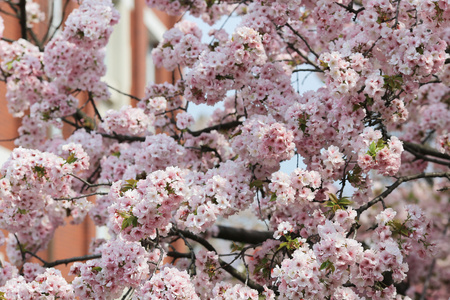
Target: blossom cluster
x=127, y=121
x=377, y=154
x=31, y=181
x=299, y=186
x=263, y=140
x=362, y=212
x=220, y=192
x=48, y=284
x=170, y=283
x=121, y=264
x=181, y=46
x=141, y=207
x=75, y=57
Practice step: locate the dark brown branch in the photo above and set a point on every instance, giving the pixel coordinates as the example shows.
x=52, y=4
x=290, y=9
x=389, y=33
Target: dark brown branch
x=176, y=254
x=227, y=267
x=127, y=293
x=424, y=150
x=123, y=138
x=204, y=149
x=307, y=60
x=303, y=39
x=350, y=8
x=97, y=113
x=225, y=126
x=307, y=70
x=35, y=39
x=399, y=181
x=7, y=40
x=23, y=18
x=70, y=260
x=243, y=235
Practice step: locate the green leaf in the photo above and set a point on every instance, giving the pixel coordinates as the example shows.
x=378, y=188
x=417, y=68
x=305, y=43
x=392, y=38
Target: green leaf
x=125, y=224
x=302, y=121
x=282, y=245
x=129, y=221
x=9, y=65
x=256, y=183
x=273, y=198
x=420, y=50
x=344, y=201
x=329, y=204
x=22, y=211
x=97, y=269
x=223, y=77
x=170, y=189
x=116, y=154
x=399, y=228
x=381, y=144
x=71, y=159
x=236, y=134
x=168, y=45
x=369, y=100
x=40, y=171
x=394, y=82
x=236, y=247
x=333, y=198
x=372, y=149
x=355, y=176
x=129, y=185
x=123, y=214
x=336, y=203
x=324, y=65
x=327, y=265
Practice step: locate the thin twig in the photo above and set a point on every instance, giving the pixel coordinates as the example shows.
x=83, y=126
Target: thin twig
x=90, y=185
x=303, y=39
x=80, y=197
x=227, y=267
x=10, y=140
x=399, y=181
x=308, y=70
x=123, y=93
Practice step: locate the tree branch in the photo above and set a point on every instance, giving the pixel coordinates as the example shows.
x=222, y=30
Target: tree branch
x=88, y=184
x=23, y=18
x=227, y=267
x=242, y=235
x=399, y=181
x=225, y=126
x=123, y=93
x=70, y=260
x=123, y=138
x=424, y=150
x=80, y=197
x=303, y=39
